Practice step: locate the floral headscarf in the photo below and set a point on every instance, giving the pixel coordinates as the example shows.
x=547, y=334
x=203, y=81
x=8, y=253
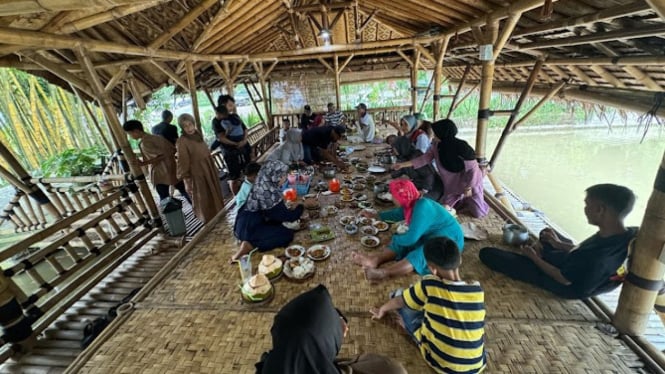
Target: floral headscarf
x=406, y=194
x=266, y=192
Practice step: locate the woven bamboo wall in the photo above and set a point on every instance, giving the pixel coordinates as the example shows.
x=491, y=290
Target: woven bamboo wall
x=290, y=96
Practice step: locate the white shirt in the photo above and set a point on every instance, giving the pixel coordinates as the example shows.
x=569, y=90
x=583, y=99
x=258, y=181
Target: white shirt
x=367, y=127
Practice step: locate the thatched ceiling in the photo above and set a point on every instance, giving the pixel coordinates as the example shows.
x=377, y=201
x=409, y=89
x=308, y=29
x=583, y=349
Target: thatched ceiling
x=595, y=43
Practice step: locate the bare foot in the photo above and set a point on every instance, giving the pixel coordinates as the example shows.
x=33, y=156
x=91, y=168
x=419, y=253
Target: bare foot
x=244, y=249
x=367, y=262
x=375, y=275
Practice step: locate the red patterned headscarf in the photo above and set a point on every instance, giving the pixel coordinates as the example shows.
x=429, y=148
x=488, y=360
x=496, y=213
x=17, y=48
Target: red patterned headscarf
x=406, y=194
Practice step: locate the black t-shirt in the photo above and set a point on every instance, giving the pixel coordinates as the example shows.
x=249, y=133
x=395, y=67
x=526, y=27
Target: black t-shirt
x=306, y=120
x=596, y=260
x=166, y=130
x=318, y=137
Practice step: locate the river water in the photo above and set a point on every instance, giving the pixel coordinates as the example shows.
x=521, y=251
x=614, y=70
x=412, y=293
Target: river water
x=551, y=169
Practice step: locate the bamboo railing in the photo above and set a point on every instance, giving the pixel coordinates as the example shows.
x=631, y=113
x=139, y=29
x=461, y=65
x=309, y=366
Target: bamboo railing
x=380, y=114
x=76, y=251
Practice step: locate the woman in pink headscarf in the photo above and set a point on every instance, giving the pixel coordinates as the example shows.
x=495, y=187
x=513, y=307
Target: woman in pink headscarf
x=424, y=219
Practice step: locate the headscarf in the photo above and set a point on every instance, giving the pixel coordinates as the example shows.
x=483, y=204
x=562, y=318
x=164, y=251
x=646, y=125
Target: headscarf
x=406, y=194
x=411, y=121
x=266, y=191
x=292, y=149
x=196, y=136
x=452, y=151
x=306, y=336
x=404, y=148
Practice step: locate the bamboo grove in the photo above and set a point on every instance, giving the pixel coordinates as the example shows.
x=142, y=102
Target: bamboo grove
x=39, y=120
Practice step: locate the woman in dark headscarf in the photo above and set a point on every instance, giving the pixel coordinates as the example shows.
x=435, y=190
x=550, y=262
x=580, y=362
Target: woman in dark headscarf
x=458, y=169
x=307, y=335
x=259, y=222
x=424, y=178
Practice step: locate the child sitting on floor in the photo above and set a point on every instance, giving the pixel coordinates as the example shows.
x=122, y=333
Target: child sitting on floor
x=443, y=314
x=251, y=170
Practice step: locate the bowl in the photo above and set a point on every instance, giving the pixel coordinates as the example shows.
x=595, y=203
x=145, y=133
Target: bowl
x=351, y=229
x=329, y=172
x=380, y=187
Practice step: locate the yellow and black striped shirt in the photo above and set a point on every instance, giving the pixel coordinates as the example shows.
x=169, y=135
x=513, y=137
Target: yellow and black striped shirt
x=451, y=338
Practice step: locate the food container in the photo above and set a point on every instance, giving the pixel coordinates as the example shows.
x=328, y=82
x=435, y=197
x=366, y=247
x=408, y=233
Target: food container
x=351, y=229
x=329, y=172
x=380, y=188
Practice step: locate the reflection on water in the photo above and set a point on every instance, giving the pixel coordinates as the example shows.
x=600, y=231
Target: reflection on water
x=551, y=170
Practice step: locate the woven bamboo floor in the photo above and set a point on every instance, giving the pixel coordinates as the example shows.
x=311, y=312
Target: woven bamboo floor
x=194, y=320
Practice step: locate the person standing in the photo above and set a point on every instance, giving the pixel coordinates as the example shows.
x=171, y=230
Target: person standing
x=366, y=123
x=159, y=155
x=231, y=133
x=307, y=118
x=196, y=168
x=334, y=117
x=165, y=129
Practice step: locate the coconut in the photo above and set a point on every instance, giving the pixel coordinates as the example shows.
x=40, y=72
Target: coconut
x=258, y=287
x=270, y=266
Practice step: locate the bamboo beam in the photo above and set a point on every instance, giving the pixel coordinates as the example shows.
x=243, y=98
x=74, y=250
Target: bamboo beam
x=362, y=27
x=185, y=21
x=424, y=52
x=507, y=30
x=116, y=78
x=60, y=72
x=484, y=113
x=95, y=122
x=116, y=128
x=609, y=77
x=646, y=269
x=338, y=91
x=317, y=7
x=209, y=96
x=642, y=32
x=103, y=17
x=338, y=16
x=641, y=77
x=414, y=81
x=582, y=75
x=171, y=74
x=238, y=67
x=510, y=124
x=327, y=65
x=597, y=16
x=192, y=92
x=658, y=6
x=251, y=97
x=8, y=8
x=136, y=94
x=553, y=92
x=453, y=103
x=604, y=61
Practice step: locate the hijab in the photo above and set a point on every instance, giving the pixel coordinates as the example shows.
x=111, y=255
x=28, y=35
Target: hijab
x=293, y=145
x=404, y=148
x=266, y=191
x=411, y=121
x=306, y=336
x=196, y=136
x=406, y=194
x=452, y=151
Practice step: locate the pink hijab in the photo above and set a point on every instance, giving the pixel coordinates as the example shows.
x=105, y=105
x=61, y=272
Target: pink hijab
x=406, y=194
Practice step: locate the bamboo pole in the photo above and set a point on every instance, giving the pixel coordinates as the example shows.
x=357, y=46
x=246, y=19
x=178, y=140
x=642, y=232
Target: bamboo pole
x=658, y=6
x=192, y=91
x=631, y=33
x=209, y=96
x=103, y=17
x=646, y=269
x=438, y=72
x=609, y=77
x=414, y=80
x=484, y=113
x=171, y=74
x=581, y=75
x=185, y=21
x=338, y=90
x=254, y=102
x=453, y=103
x=144, y=197
x=136, y=94
x=37, y=6
x=60, y=72
x=606, y=61
x=509, y=127
x=555, y=90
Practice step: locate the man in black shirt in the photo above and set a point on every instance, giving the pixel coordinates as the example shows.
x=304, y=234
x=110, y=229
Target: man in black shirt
x=307, y=118
x=319, y=144
x=165, y=128
x=593, y=267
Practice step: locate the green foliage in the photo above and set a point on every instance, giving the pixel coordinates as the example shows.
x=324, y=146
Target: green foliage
x=73, y=162
x=159, y=101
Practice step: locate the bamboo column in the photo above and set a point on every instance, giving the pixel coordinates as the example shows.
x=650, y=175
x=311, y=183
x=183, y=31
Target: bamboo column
x=487, y=77
x=144, y=197
x=338, y=91
x=646, y=268
x=191, y=83
x=414, y=80
x=441, y=48
x=454, y=103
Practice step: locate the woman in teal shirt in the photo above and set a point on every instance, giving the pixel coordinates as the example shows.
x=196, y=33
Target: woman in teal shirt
x=425, y=219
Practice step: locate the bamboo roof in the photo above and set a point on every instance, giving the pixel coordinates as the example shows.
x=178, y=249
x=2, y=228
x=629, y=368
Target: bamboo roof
x=595, y=45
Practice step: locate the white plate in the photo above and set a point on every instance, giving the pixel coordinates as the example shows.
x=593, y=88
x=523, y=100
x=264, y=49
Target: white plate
x=380, y=225
x=326, y=249
x=366, y=237
x=298, y=247
x=369, y=230
x=307, y=264
x=376, y=169
x=345, y=220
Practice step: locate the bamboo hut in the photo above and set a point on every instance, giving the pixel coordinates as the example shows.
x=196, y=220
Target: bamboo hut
x=112, y=52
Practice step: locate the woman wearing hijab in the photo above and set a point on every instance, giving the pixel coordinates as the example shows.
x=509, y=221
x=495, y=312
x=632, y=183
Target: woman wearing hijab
x=196, y=168
x=458, y=169
x=408, y=128
x=307, y=335
x=425, y=178
x=259, y=221
x=424, y=219
x=291, y=151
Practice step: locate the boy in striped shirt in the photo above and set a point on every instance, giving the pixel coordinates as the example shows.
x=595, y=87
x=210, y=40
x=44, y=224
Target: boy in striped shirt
x=444, y=315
